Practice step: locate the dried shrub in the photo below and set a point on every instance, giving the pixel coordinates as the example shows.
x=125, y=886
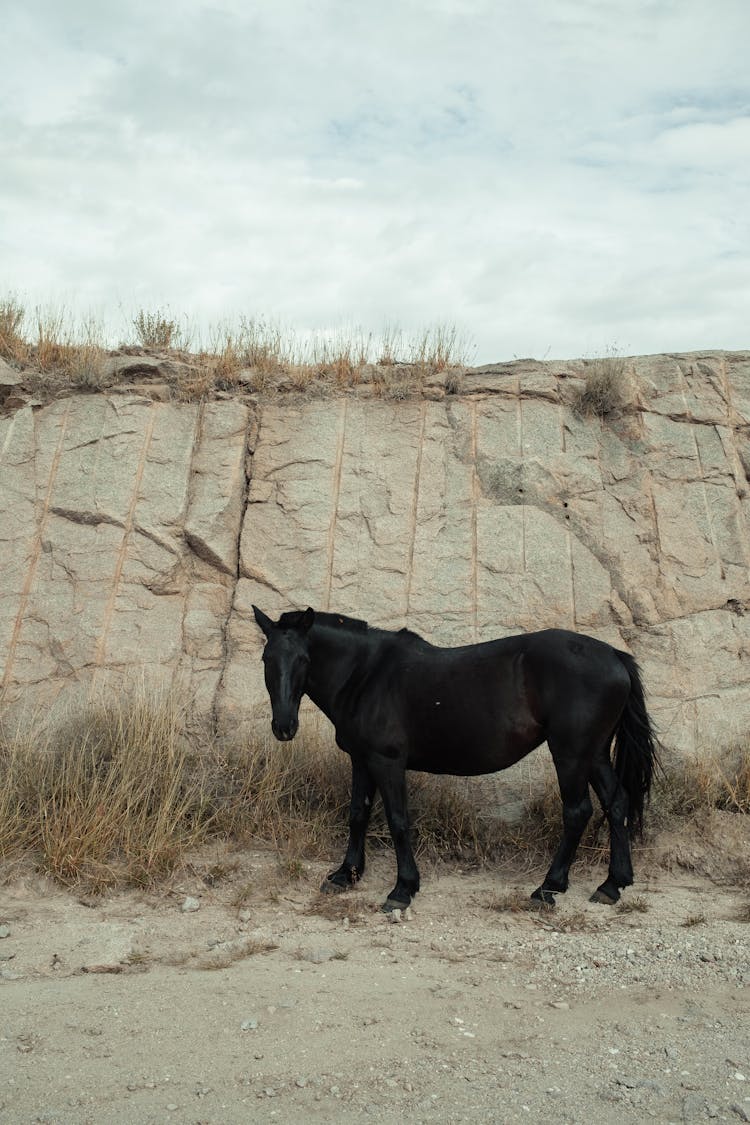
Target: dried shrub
x=605, y=389
x=12, y=344
x=109, y=796
x=156, y=329
x=718, y=779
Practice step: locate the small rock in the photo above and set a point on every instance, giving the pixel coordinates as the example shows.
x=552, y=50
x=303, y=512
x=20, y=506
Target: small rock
x=301, y=1082
x=693, y=1107
x=4, y=931
x=319, y=956
x=245, y=915
x=190, y=904
x=172, y=1106
x=249, y=1025
x=561, y=1005
x=740, y=1111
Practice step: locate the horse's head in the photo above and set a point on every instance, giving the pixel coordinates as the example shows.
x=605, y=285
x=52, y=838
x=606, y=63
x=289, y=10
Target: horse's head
x=286, y=659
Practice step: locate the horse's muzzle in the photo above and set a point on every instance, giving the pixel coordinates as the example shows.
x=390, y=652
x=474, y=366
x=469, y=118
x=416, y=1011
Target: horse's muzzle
x=285, y=733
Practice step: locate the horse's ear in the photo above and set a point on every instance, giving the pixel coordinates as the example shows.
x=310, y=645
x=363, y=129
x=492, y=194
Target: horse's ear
x=306, y=620
x=265, y=623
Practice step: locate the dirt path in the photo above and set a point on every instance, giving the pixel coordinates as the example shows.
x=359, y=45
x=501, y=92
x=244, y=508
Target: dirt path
x=461, y=1012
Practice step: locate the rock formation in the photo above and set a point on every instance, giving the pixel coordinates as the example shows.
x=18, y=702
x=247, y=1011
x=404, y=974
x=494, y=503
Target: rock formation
x=135, y=533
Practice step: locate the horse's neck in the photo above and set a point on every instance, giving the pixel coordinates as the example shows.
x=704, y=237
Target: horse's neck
x=334, y=657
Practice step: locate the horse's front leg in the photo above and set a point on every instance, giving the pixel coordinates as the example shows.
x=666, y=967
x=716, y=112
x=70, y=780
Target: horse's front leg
x=390, y=777
x=352, y=869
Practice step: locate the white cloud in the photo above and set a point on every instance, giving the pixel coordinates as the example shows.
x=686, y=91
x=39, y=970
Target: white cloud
x=552, y=177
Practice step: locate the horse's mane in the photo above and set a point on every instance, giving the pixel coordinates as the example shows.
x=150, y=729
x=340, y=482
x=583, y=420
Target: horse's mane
x=339, y=621
x=332, y=620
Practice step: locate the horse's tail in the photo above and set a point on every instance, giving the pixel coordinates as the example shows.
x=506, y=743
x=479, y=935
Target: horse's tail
x=636, y=750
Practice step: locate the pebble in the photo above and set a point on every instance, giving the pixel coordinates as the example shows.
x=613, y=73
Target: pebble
x=249, y=1025
x=4, y=931
x=245, y=915
x=190, y=904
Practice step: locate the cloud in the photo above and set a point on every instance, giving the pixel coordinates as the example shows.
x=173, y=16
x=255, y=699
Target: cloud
x=549, y=178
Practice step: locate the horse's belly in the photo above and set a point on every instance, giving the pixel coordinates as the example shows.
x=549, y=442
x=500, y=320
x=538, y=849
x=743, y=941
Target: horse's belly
x=467, y=753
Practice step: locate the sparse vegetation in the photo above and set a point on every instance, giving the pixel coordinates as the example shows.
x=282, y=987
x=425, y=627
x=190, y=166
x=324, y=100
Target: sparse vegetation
x=107, y=797
x=605, y=390
x=115, y=794
x=718, y=779
x=636, y=904
x=253, y=356
x=12, y=343
x=156, y=329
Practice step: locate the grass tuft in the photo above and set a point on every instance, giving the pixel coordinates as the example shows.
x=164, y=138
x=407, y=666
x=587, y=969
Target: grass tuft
x=635, y=905
x=106, y=798
x=718, y=779
x=156, y=329
x=12, y=343
x=605, y=388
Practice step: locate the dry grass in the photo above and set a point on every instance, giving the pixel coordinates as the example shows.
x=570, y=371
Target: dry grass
x=255, y=355
x=719, y=779
x=115, y=795
x=105, y=798
x=635, y=905
x=516, y=902
x=12, y=343
x=340, y=907
x=156, y=329
x=605, y=389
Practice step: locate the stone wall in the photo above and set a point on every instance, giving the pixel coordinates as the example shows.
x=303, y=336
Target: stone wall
x=135, y=534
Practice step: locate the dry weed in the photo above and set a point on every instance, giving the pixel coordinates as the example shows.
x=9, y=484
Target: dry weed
x=223, y=956
x=12, y=344
x=156, y=329
x=718, y=779
x=107, y=797
x=605, y=388
x=515, y=902
x=635, y=905
x=337, y=907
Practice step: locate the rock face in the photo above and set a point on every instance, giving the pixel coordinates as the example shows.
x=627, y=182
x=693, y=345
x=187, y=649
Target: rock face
x=136, y=534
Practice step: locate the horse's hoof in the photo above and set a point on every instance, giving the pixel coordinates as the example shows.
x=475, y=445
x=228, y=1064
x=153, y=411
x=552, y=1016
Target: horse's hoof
x=392, y=904
x=603, y=896
x=542, y=898
x=328, y=887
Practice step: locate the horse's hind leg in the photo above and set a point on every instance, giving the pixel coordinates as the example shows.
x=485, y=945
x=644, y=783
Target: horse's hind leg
x=351, y=870
x=614, y=802
x=572, y=774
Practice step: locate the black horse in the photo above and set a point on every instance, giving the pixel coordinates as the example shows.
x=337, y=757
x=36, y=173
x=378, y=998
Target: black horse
x=398, y=702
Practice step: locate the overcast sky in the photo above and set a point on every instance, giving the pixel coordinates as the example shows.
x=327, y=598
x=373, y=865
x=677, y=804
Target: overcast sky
x=554, y=177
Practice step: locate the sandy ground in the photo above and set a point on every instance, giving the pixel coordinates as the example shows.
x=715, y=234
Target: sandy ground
x=253, y=1008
